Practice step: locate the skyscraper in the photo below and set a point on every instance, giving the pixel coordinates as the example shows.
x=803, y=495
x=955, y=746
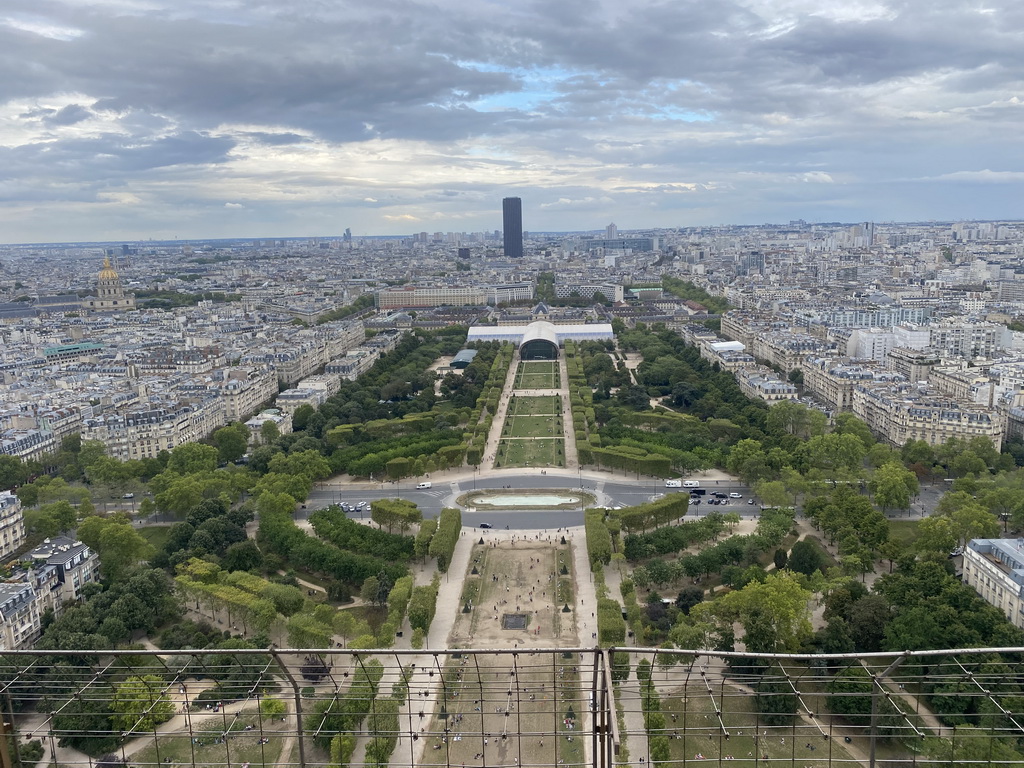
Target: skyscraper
x=512, y=211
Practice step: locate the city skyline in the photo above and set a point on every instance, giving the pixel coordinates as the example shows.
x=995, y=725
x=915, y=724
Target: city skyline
x=121, y=121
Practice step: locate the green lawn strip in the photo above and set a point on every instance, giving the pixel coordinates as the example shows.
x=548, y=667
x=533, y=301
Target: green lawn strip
x=537, y=375
x=536, y=452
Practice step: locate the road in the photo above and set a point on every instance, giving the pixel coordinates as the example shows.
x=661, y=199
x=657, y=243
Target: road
x=610, y=491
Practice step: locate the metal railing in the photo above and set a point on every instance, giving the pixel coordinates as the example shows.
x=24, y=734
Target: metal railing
x=523, y=707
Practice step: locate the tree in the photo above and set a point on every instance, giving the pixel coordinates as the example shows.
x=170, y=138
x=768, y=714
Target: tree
x=688, y=597
x=243, y=556
x=301, y=417
x=269, y=432
x=140, y=704
x=776, y=608
x=806, y=557
x=192, y=458
x=834, y=453
x=773, y=493
x=12, y=472
x=272, y=708
x=118, y=545
x=894, y=485
x=231, y=441
x=370, y=590
x=848, y=424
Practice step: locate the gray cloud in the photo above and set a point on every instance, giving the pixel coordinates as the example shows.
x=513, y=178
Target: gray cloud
x=69, y=115
x=433, y=110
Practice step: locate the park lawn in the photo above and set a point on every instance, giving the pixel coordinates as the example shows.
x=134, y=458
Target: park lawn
x=537, y=375
x=543, y=405
x=904, y=531
x=696, y=726
x=240, y=747
x=531, y=453
x=534, y=417
x=156, y=535
x=533, y=426
x=373, y=615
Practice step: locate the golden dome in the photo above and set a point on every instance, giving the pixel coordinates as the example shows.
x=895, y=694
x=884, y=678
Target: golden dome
x=107, y=273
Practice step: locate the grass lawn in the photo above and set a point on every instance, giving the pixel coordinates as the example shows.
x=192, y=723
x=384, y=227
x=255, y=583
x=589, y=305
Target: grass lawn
x=537, y=375
x=373, y=615
x=156, y=535
x=903, y=531
x=239, y=747
x=693, y=729
x=531, y=453
x=534, y=417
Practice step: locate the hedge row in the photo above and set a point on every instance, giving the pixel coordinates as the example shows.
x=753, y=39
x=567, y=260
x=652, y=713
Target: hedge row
x=442, y=546
x=654, y=513
x=383, y=724
x=611, y=627
x=599, y=539
x=398, y=602
x=423, y=604
x=654, y=722
x=334, y=722
x=279, y=534
x=421, y=547
x=476, y=439
x=333, y=526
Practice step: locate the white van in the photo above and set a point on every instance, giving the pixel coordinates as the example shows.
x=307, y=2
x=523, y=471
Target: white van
x=691, y=484
x=673, y=483
x=420, y=486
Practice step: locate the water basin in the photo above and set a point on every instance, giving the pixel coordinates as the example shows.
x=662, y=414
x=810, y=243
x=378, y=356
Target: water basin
x=526, y=500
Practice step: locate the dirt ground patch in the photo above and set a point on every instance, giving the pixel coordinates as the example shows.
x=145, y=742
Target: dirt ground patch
x=513, y=708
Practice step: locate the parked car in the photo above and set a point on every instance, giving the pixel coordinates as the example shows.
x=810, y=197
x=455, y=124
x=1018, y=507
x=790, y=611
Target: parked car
x=735, y=495
x=128, y=496
x=750, y=501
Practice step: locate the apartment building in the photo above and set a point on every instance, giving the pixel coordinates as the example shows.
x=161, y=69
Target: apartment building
x=507, y=294
x=19, y=616
x=788, y=350
x=763, y=383
x=901, y=412
x=970, y=339
x=143, y=433
x=967, y=384
x=12, y=525
x=75, y=564
x=833, y=381
x=354, y=364
x=412, y=296
x=995, y=570
x=913, y=364
x=244, y=390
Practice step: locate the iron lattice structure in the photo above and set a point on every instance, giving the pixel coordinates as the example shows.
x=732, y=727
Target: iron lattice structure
x=524, y=707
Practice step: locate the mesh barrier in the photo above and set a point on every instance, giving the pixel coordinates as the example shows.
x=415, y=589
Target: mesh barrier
x=544, y=707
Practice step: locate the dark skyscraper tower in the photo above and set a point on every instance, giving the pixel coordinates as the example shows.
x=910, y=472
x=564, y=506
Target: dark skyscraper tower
x=512, y=210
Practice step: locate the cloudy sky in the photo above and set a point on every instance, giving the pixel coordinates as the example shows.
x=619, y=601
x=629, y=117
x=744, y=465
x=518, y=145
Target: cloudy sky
x=124, y=119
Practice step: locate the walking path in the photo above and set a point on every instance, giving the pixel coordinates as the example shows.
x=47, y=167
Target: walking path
x=407, y=751
x=572, y=457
